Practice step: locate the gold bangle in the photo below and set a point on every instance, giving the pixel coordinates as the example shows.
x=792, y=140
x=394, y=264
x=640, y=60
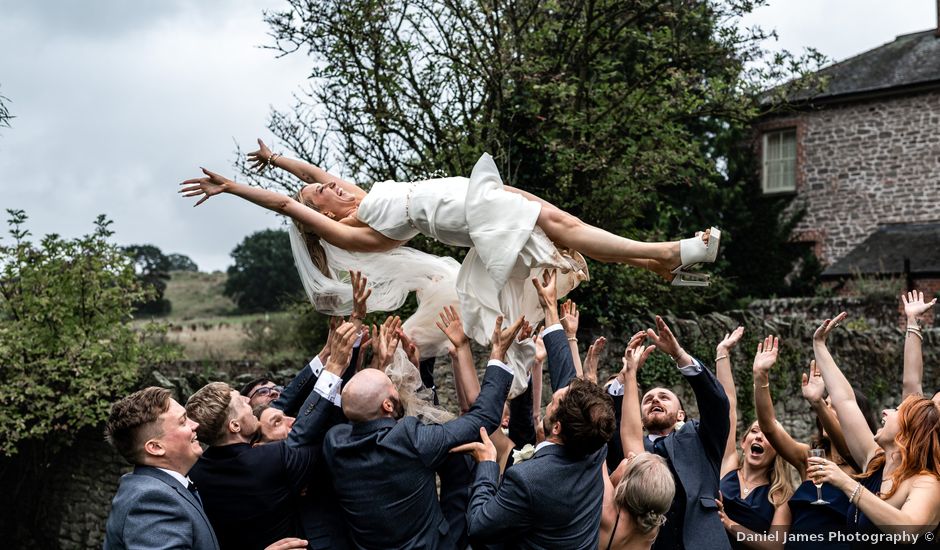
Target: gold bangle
x=767, y=385
x=720, y=357
x=572, y=339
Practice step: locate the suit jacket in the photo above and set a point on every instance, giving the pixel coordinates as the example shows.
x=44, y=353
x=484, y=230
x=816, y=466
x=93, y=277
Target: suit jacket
x=384, y=470
x=694, y=454
x=251, y=493
x=321, y=521
x=152, y=510
x=552, y=500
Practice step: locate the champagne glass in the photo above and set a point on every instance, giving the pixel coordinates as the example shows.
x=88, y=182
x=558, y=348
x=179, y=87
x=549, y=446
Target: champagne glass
x=821, y=453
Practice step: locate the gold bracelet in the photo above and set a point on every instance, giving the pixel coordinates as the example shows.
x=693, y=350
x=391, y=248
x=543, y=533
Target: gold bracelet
x=572, y=339
x=720, y=357
x=767, y=385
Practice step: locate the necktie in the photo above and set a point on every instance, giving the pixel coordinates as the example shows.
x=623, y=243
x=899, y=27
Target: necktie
x=192, y=489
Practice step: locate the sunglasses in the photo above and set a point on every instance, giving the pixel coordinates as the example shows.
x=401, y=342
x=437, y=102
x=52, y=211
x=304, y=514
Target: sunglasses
x=266, y=390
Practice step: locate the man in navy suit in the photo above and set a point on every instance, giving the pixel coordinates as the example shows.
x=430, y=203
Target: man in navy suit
x=693, y=451
x=251, y=493
x=552, y=500
x=156, y=506
x=383, y=465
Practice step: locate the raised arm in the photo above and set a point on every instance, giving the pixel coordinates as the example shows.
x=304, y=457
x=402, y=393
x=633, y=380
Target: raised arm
x=791, y=450
x=723, y=372
x=354, y=238
x=631, y=427
x=914, y=309
x=814, y=390
x=304, y=171
x=560, y=362
x=465, y=375
x=713, y=404
x=569, y=321
x=856, y=430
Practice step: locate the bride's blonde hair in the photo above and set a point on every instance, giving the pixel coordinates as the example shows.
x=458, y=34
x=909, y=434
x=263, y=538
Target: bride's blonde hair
x=311, y=239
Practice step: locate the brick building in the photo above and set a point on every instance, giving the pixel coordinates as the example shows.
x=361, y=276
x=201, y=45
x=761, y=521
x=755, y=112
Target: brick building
x=862, y=156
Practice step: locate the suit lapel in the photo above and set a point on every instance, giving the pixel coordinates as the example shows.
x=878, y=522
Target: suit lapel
x=182, y=491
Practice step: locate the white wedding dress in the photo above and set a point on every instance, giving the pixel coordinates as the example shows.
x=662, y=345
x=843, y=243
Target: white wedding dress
x=507, y=249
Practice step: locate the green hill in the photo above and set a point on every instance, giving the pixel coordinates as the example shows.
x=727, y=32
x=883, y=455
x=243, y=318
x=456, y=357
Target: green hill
x=197, y=295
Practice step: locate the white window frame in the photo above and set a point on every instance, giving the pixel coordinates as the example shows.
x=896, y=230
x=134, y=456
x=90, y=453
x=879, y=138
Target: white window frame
x=776, y=159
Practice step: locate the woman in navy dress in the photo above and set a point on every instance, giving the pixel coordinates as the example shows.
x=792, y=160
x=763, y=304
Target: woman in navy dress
x=899, y=491
x=755, y=486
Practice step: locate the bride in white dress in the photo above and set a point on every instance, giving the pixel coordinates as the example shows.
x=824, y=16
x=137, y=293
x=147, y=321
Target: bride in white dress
x=511, y=234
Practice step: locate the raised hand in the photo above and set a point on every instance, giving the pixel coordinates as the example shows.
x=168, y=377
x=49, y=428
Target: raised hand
x=410, y=347
x=261, y=157
x=766, y=354
x=206, y=187
x=914, y=305
x=570, y=318
x=548, y=294
x=481, y=451
x=666, y=341
x=593, y=357
x=827, y=326
x=814, y=388
x=452, y=327
x=384, y=342
x=361, y=293
x=341, y=348
x=334, y=323
x=636, y=354
x=525, y=332
x=730, y=340
x=502, y=339
x=541, y=354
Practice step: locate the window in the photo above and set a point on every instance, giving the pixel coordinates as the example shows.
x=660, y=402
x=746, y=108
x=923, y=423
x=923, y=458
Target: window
x=779, y=166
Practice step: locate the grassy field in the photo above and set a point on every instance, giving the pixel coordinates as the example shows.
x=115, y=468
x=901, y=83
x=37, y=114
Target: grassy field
x=204, y=321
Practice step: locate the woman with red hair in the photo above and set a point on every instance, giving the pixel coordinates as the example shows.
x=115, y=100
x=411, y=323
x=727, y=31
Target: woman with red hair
x=899, y=489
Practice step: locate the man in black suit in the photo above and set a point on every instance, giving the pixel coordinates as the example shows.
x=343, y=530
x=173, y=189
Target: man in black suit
x=251, y=493
x=693, y=451
x=156, y=505
x=383, y=465
x=552, y=500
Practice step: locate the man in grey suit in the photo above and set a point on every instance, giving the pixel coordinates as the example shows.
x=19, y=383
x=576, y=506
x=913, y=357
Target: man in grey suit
x=552, y=500
x=156, y=506
x=383, y=465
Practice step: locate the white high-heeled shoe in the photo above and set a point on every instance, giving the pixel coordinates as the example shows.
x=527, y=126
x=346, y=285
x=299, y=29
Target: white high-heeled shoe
x=693, y=252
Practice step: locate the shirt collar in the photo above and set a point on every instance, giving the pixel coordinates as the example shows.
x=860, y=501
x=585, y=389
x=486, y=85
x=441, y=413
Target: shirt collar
x=184, y=480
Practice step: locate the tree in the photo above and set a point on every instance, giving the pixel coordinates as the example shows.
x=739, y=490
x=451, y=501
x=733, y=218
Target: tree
x=153, y=270
x=66, y=347
x=263, y=274
x=5, y=115
x=619, y=111
x=182, y=262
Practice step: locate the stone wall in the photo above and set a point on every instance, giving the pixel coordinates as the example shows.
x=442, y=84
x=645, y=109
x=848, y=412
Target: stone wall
x=865, y=164
x=81, y=482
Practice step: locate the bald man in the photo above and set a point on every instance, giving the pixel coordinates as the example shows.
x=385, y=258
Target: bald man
x=383, y=464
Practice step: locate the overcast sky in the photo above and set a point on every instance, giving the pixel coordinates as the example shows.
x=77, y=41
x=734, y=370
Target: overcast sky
x=116, y=101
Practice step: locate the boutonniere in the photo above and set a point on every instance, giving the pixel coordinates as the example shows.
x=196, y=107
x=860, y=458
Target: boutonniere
x=523, y=454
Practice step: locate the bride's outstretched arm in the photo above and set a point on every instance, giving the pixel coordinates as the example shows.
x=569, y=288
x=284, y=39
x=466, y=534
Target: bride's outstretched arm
x=349, y=237
x=304, y=171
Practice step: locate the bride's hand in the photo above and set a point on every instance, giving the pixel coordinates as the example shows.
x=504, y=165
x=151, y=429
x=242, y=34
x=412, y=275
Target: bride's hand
x=205, y=187
x=260, y=157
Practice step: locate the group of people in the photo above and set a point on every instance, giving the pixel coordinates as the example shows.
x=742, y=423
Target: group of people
x=332, y=461
x=354, y=452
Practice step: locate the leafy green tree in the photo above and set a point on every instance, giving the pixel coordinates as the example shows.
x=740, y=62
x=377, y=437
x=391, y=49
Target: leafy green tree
x=153, y=270
x=263, y=275
x=181, y=262
x=66, y=348
x=620, y=111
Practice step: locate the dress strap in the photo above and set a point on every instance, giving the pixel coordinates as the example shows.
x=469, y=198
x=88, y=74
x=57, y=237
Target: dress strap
x=614, y=530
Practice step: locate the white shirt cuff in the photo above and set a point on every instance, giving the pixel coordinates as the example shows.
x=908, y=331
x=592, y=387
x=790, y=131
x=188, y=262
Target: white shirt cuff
x=693, y=369
x=615, y=388
x=316, y=365
x=553, y=328
x=329, y=386
x=500, y=364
